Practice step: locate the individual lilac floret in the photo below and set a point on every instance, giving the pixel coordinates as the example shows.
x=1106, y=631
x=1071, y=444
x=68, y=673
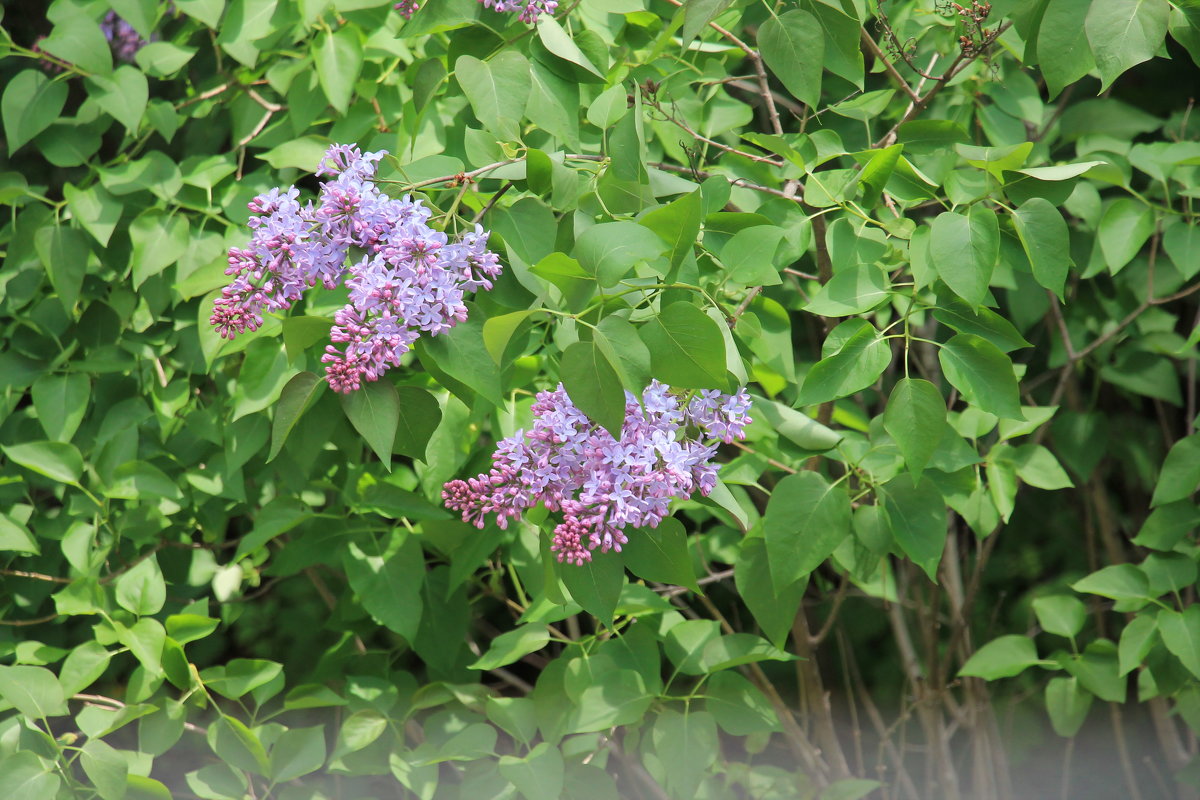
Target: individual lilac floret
x=407, y=278
x=570, y=464
x=529, y=10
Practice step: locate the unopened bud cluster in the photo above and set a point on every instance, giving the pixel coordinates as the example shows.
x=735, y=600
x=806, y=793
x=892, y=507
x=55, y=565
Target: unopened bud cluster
x=404, y=277
x=603, y=485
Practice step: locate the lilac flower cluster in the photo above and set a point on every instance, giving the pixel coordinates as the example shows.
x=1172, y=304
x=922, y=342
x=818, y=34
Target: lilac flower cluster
x=122, y=38
x=529, y=10
x=407, y=8
x=602, y=485
x=409, y=279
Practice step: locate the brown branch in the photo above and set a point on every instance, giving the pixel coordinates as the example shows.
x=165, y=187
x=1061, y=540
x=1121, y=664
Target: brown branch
x=896, y=77
x=37, y=576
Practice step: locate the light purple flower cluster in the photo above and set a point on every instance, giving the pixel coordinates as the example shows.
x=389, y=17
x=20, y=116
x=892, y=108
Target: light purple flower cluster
x=121, y=36
x=410, y=278
x=529, y=10
x=602, y=485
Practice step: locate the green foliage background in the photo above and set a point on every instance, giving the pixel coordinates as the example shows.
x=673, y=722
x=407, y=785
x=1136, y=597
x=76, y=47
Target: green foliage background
x=951, y=251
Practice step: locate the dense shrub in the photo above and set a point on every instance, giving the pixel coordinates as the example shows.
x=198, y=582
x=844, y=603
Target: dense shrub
x=816, y=380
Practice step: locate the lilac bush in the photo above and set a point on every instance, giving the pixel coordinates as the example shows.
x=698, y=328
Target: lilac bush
x=409, y=279
x=569, y=463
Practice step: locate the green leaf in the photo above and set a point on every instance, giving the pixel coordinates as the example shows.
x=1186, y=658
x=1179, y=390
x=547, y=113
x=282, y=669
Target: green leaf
x=539, y=774
x=1137, y=638
x=878, y=170
x=983, y=374
x=773, y=610
x=916, y=418
x=64, y=253
x=1168, y=524
x=793, y=46
x=576, y=284
x=687, y=350
x=297, y=397
x=511, y=646
x=1124, y=33
x=145, y=639
x=462, y=355
x=1182, y=243
x=738, y=708
x=1118, y=582
x=30, y=104
x=95, y=209
x=1060, y=614
x=83, y=666
x=106, y=768
x=1180, y=475
x=159, y=240
x=1180, y=632
x=296, y=753
x=33, y=691
x=559, y=42
x=661, y=554
x=610, y=250
x=596, y=585
x=850, y=789
x=338, y=57
x=995, y=159
x=686, y=746
x=61, y=402
x=1038, y=467
x=300, y=333
x=843, y=50
x=678, y=222
x=15, y=537
x=1064, y=54
x=737, y=649
x=807, y=518
x=1043, y=234
x=420, y=415
x=856, y=365
x=853, y=290
x=1004, y=657
x=185, y=628
x=1096, y=670
x=141, y=590
x=237, y=746
x=918, y=516
x=697, y=14
x=359, y=730
x=499, y=330
x=593, y=385
x=626, y=352
x=1067, y=703
x=619, y=697
x=374, y=411
x=983, y=322
x=387, y=579
x=207, y=11
x=498, y=90
x=24, y=775
x=965, y=250
x=749, y=256
x=796, y=427
x=123, y=95
x=1124, y=228
x=163, y=59
x=58, y=461
x=77, y=39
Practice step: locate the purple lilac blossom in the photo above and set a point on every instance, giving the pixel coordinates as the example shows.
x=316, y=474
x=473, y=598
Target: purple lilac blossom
x=570, y=464
x=529, y=10
x=406, y=278
x=121, y=36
